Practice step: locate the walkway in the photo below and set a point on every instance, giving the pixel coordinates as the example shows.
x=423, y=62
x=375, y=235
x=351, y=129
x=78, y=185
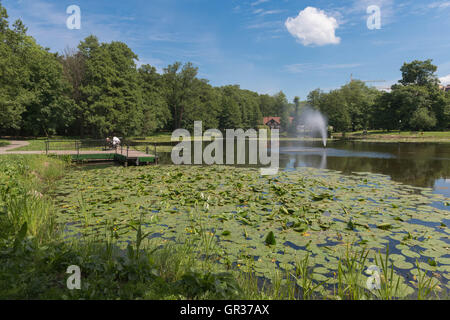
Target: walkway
x=14, y=144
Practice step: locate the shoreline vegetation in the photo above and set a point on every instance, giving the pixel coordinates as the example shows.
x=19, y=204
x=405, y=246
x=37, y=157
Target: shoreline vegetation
x=53, y=216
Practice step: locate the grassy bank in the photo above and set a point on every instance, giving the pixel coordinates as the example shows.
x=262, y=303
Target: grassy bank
x=397, y=136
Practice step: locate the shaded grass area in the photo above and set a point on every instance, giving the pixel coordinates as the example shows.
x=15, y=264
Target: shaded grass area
x=34, y=256
x=4, y=143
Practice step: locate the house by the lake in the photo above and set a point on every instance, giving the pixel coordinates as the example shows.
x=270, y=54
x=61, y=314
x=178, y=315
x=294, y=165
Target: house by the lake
x=275, y=122
x=445, y=88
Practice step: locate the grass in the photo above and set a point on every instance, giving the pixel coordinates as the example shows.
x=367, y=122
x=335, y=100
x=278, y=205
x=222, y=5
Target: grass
x=4, y=143
x=34, y=256
x=397, y=136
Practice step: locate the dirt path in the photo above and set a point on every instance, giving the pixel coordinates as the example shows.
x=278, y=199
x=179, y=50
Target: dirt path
x=14, y=144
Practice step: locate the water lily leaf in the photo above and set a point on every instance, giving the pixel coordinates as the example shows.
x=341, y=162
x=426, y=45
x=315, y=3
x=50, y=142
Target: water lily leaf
x=270, y=239
x=384, y=226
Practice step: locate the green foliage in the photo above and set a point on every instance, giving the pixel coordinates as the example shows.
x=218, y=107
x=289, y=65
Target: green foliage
x=304, y=277
x=96, y=90
x=32, y=90
x=426, y=286
x=415, y=104
x=422, y=119
x=156, y=113
x=335, y=107
x=195, y=285
x=112, y=101
x=270, y=239
x=420, y=73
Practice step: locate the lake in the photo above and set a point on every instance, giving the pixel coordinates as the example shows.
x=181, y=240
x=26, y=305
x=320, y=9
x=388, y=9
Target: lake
x=416, y=164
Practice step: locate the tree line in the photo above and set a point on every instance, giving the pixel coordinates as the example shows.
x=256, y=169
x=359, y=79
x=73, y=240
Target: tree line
x=97, y=90
x=415, y=103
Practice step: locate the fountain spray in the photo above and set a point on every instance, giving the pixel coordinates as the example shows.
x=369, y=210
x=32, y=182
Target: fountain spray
x=313, y=121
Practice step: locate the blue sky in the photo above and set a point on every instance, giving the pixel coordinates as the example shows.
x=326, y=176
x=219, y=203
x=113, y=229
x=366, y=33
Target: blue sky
x=250, y=42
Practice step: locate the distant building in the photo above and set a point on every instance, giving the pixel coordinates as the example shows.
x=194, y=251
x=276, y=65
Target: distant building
x=445, y=88
x=275, y=122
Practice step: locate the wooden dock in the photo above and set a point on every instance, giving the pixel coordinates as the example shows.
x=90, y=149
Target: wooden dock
x=123, y=157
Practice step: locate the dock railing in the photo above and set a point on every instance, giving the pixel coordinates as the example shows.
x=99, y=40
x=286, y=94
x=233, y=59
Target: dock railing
x=148, y=148
x=61, y=145
x=76, y=145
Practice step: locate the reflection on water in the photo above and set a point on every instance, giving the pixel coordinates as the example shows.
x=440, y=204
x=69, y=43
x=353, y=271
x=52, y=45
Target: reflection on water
x=422, y=165
x=416, y=164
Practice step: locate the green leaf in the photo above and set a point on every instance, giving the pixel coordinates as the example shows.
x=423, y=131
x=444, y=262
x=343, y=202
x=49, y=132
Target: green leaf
x=21, y=235
x=270, y=239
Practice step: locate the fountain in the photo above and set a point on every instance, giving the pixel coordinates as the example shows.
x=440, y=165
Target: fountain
x=313, y=121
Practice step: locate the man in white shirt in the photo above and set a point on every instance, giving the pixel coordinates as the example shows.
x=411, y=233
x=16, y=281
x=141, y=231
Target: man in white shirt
x=116, y=142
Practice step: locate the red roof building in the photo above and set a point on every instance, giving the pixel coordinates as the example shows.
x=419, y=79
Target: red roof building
x=275, y=122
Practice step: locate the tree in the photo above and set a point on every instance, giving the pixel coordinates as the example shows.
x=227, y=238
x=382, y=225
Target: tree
x=32, y=90
x=422, y=119
x=398, y=107
x=296, y=115
x=112, y=100
x=314, y=98
x=334, y=106
x=156, y=113
x=282, y=107
x=230, y=116
x=203, y=105
x=179, y=82
x=420, y=73
x=440, y=105
x=13, y=73
x=359, y=99
x=267, y=106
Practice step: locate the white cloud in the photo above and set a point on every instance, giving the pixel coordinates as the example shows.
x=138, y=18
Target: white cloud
x=313, y=27
x=305, y=67
x=440, y=4
x=258, y=2
x=445, y=80
x=271, y=12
